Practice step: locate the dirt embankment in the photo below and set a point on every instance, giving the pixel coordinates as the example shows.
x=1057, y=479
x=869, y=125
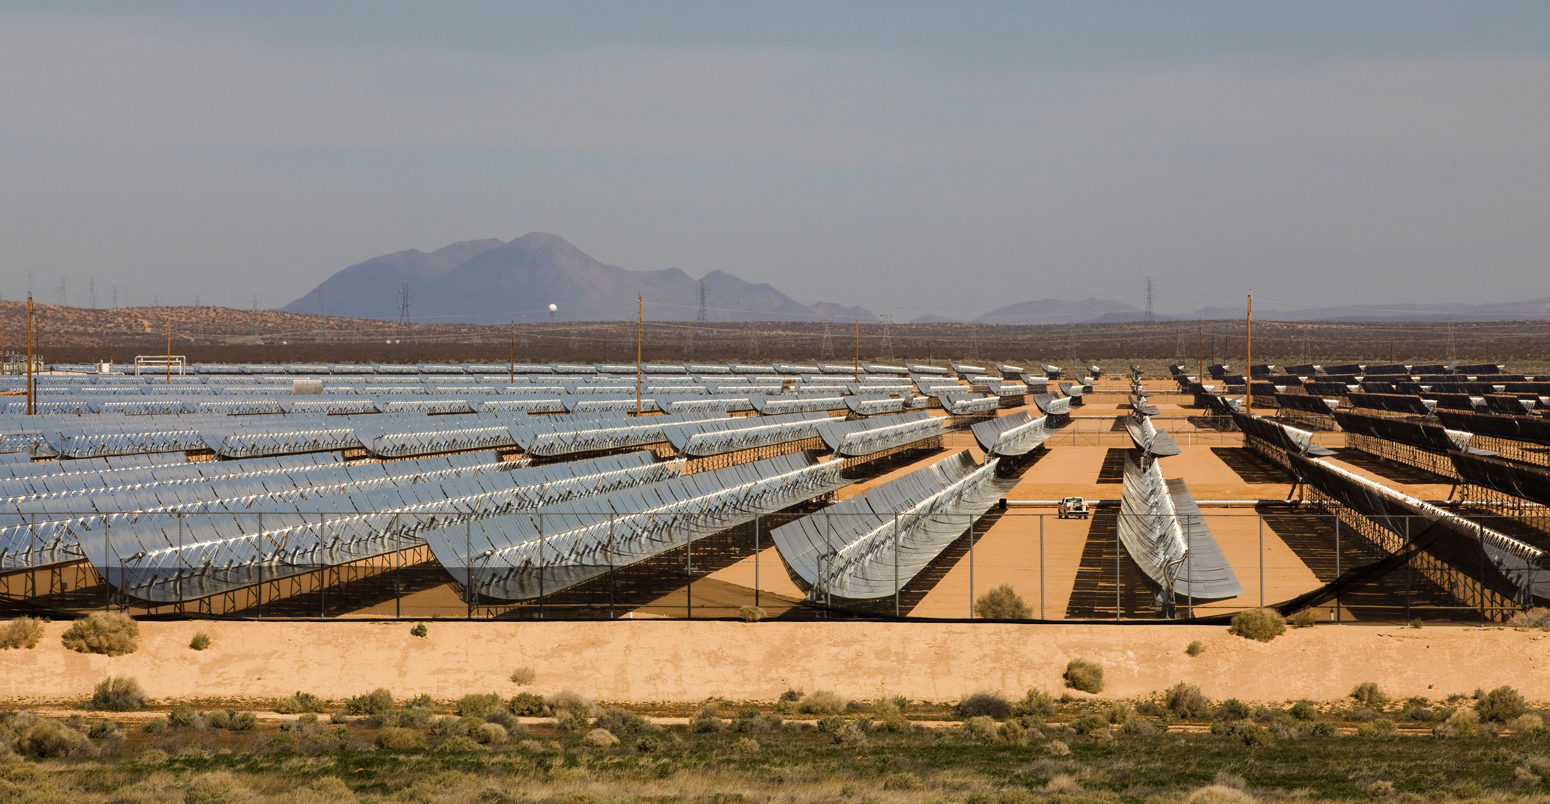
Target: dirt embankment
x=690, y=661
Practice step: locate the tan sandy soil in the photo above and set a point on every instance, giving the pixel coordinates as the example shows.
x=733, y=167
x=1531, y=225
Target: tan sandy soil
x=683, y=661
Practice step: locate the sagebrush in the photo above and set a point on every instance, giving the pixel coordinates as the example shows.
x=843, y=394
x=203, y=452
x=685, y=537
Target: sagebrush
x=106, y=633
x=1261, y=625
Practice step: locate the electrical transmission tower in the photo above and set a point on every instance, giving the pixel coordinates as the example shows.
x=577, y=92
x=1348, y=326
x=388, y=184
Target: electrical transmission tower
x=403, y=304
x=91, y=292
x=1150, y=286
x=886, y=349
x=699, y=322
x=827, y=352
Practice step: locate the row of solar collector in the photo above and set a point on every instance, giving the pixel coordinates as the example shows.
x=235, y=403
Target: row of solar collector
x=198, y=371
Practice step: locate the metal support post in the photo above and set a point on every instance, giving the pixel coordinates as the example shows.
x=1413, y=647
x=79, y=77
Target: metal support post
x=971, y=568
x=896, y=564
x=1119, y=556
x=1337, y=569
x=1261, y=560
x=468, y=556
x=540, y=566
x=756, y=562
x=1041, y=566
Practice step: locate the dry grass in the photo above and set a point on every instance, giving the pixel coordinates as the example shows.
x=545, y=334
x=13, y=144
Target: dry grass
x=110, y=634
x=1084, y=675
x=1260, y=625
x=23, y=632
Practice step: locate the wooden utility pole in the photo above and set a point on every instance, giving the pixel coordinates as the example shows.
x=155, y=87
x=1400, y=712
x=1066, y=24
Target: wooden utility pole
x=1248, y=370
x=640, y=314
x=512, y=357
x=31, y=390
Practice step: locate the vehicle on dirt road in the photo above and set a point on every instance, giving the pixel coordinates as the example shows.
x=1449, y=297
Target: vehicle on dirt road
x=1071, y=507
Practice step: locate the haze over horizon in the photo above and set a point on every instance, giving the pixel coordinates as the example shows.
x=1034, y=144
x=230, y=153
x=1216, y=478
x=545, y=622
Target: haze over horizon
x=912, y=158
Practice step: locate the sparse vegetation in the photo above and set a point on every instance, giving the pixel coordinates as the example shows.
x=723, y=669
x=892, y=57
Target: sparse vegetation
x=523, y=676
x=419, y=630
x=986, y=704
x=822, y=702
x=1195, y=648
x=117, y=694
x=299, y=703
x=1186, y=700
x=1084, y=675
x=1001, y=603
x=1304, y=618
x=23, y=632
x=1500, y=705
x=109, y=634
x=1260, y=625
x=200, y=641
x=751, y=614
x=1537, y=617
x=1368, y=694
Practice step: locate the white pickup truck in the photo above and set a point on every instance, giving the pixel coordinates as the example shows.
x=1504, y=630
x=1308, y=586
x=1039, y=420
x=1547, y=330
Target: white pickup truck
x=1071, y=507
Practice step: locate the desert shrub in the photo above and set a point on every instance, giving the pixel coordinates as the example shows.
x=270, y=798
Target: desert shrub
x=50, y=738
x=791, y=695
x=1302, y=619
x=901, y=780
x=981, y=729
x=1035, y=702
x=489, y=734
x=419, y=630
x=1500, y=705
x=1195, y=648
x=1304, y=710
x=23, y=632
x=217, y=718
x=746, y=747
x=705, y=721
x=375, y=702
x=1528, y=724
x=567, y=701
x=394, y=738
x=621, y=721
x=1369, y=694
x=110, y=634
x=156, y=725
x=526, y=704
x=1250, y=734
x=1462, y=723
x=1084, y=675
x=448, y=726
x=1186, y=700
x=241, y=721
x=479, y=704
x=1537, y=617
x=890, y=716
x=200, y=641
x=299, y=703
x=988, y=704
x=1057, y=748
x=1261, y=625
x=602, y=738
x=822, y=702
x=183, y=717
x=523, y=675
x=1002, y=603
x=849, y=733
x=117, y=694
x=751, y=614
x=1232, y=709
x=1090, y=724
x=1416, y=623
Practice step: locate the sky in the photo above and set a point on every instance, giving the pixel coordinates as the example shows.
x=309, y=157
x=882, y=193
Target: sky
x=914, y=158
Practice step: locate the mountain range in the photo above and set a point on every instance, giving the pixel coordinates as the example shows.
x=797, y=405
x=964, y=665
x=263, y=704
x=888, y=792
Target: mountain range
x=490, y=281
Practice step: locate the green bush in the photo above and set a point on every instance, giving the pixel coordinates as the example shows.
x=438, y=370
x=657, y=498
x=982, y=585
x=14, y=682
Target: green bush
x=822, y=702
x=981, y=729
x=372, y=703
x=183, y=717
x=394, y=738
x=1232, y=709
x=1500, y=705
x=110, y=634
x=1001, y=603
x=1303, y=619
x=241, y=721
x=526, y=704
x=1304, y=710
x=299, y=703
x=564, y=702
x=1261, y=625
x=419, y=630
x=1369, y=694
x=705, y=721
x=1084, y=675
x=1035, y=702
x=1186, y=700
x=620, y=721
x=117, y=694
x=751, y=614
x=200, y=641
x=987, y=704
x=523, y=676
x=479, y=704
x=1195, y=648
x=51, y=738
x=23, y=632
x=155, y=725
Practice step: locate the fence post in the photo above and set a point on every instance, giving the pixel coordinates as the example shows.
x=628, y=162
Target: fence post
x=180, y=563
x=689, y=571
x=971, y=568
x=322, y=568
x=107, y=551
x=540, y=565
x=1480, y=534
x=1337, y=568
x=613, y=576
x=261, y=563
x=896, y=564
x=1041, y=566
x=756, y=561
x=468, y=556
x=1261, y=518
x=398, y=580
x=1409, y=571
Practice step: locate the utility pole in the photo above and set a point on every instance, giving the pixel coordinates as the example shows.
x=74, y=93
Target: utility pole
x=827, y=350
x=1150, y=282
x=31, y=389
x=887, y=348
x=858, y=350
x=511, y=365
x=169, y=351
x=1200, y=350
x=1248, y=370
x=640, y=314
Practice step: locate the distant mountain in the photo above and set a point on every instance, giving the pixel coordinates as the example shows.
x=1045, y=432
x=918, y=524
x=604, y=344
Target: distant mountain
x=487, y=281
x=1532, y=309
x=1062, y=311
x=936, y=319
x=839, y=313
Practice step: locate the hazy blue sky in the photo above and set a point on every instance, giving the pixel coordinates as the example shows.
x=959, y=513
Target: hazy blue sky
x=911, y=157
